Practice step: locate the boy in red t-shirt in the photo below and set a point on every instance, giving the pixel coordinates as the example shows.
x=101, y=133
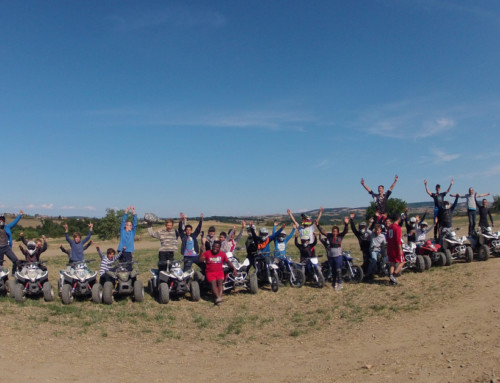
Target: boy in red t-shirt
x=395, y=248
x=214, y=273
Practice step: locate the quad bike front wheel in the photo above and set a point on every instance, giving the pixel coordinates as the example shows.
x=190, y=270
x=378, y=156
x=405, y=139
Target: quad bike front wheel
x=138, y=291
x=48, y=292
x=427, y=261
x=195, y=291
x=19, y=293
x=449, y=259
x=420, y=264
x=469, y=254
x=163, y=293
x=107, y=293
x=97, y=293
x=66, y=296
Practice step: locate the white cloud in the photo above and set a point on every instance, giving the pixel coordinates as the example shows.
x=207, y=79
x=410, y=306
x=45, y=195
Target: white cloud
x=68, y=207
x=88, y=207
x=47, y=205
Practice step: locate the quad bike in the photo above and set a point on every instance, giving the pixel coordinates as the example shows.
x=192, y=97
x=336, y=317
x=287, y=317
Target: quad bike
x=266, y=271
x=173, y=281
x=432, y=254
x=491, y=240
x=350, y=271
x=242, y=278
x=80, y=282
x=32, y=280
x=412, y=260
x=289, y=271
x=312, y=271
x=6, y=284
x=122, y=280
x=457, y=248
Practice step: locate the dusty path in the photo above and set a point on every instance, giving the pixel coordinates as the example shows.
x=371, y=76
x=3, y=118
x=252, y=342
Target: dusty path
x=456, y=342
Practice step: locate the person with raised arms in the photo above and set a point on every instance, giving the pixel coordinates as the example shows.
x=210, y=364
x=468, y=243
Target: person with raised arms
x=381, y=198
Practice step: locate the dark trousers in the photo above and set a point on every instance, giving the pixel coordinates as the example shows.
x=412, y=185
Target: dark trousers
x=471, y=214
x=163, y=258
x=336, y=267
x=6, y=250
x=188, y=262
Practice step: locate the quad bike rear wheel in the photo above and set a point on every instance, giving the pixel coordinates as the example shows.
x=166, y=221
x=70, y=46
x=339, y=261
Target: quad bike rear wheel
x=449, y=259
x=420, y=264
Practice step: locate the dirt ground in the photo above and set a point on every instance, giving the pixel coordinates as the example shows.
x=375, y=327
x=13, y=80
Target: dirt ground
x=458, y=341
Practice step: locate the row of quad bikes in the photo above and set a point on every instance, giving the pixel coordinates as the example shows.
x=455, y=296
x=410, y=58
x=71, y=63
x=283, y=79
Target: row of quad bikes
x=78, y=281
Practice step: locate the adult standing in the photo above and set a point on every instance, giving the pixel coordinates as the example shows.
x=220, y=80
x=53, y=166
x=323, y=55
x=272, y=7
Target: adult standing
x=381, y=198
x=6, y=241
x=168, y=242
x=471, y=207
x=127, y=235
x=438, y=198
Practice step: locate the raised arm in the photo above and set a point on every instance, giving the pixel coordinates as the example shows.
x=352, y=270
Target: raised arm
x=365, y=186
x=23, y=240
x=198, y=228
x=14, y=223
x=319, y=215
x=291, y=216
x=427, y=189
x=394, y=183
x=449, y=187
x=346, y=229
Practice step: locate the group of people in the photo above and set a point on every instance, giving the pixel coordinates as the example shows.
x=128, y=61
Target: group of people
x=384, y=234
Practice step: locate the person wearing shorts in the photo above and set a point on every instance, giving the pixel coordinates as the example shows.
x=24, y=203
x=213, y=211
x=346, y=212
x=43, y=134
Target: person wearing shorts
x=214, y=273
x=395, y=249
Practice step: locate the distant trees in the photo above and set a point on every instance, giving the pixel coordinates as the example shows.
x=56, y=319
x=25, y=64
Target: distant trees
x=496, y=203
x=108, y=227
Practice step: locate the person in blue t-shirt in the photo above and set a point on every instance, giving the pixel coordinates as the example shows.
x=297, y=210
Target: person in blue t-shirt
x=127, y=236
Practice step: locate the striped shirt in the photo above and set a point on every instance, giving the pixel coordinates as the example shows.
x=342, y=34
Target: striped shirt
x=106, y=263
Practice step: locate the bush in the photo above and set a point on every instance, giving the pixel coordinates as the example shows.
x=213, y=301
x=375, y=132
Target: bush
x=394, y=206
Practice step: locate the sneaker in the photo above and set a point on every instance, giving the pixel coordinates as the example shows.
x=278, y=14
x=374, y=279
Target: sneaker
x=393, y=279
x=218, y=300
x=339, y=287
x=335, y=286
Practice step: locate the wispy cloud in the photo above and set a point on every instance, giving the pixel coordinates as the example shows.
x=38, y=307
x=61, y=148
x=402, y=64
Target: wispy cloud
x=177, y=16
x=71, y=207
x=325, y=164
x=405, y=120
x=492, y=172
x=441, y=156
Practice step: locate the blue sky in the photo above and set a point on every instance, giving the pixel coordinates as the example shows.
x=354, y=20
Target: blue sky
x=244, y=107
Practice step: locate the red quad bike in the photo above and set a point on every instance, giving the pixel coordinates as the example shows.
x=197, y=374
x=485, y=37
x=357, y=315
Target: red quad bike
x=433, y=256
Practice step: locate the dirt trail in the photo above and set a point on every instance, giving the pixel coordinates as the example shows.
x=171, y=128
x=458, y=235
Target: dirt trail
x=456, y=342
